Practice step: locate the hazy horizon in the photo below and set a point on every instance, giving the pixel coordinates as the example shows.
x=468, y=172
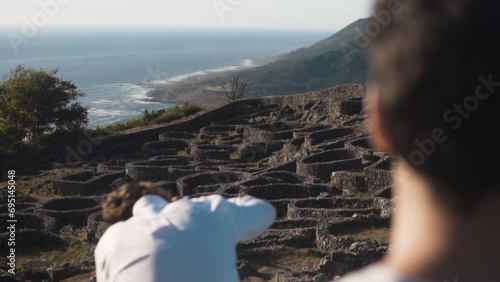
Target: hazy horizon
x=16, y=27
x=255, y=14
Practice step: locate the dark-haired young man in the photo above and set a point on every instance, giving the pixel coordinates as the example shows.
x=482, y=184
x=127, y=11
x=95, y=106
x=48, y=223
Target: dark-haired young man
x=433, y=99
x=156, y=236
x=119, y=204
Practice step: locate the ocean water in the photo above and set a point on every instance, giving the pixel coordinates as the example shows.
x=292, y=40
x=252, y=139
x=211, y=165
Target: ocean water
x=113, y=66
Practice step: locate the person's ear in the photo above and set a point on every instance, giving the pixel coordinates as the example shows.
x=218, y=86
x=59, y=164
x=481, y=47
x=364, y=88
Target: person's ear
x=379, y=139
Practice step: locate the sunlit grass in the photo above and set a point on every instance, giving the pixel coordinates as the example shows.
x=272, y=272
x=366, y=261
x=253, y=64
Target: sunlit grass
x=154, y=117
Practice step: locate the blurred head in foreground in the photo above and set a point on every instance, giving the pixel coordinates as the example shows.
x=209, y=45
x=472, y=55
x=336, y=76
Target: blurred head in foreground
x=119, y=204
x=433, y=101
x=434, y=83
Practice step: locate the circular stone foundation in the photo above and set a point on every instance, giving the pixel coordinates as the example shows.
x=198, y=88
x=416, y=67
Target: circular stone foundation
x=378, y=175
x=328, y=135
x=21, y=207
x=111, y=166
x=167, y=147
x=217, y=131
x=71, y=210
x=323, y=164
x=332, y=208
x=285, y=191
x=176, y=135
x=32, y=221
x=211, y=152
x=153, y=170
x=33, y=241
x=339, y=235
x=187, y=185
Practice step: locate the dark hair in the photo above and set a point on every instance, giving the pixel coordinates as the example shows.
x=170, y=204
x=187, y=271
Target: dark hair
x=118, y=204
x=437, y=64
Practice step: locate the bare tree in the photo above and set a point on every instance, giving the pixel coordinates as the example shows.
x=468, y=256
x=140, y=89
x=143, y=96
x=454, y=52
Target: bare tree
x=238, y=90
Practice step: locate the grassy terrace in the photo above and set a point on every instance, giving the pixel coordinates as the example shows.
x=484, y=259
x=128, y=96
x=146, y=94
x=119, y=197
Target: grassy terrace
x=152, y=118
x=284, y=258
x=37, y=188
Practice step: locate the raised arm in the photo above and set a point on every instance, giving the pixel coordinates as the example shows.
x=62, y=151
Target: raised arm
x=253, y=216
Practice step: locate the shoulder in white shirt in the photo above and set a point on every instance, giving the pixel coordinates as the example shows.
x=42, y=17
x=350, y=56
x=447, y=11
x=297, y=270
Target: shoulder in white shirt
x=187, y=240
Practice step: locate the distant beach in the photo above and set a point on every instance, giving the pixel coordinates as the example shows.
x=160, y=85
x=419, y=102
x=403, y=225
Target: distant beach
x=202, y=87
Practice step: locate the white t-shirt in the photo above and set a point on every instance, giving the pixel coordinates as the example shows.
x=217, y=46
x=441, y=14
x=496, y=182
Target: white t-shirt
x=377, y=273
x=184, y=241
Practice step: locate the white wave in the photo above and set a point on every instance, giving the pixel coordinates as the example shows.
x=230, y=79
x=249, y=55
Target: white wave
x=247, y=63
x=107, y=112
x=148, y=102
x=114, y=102
x=123, y=93
x=139, y=96
x=103, y=101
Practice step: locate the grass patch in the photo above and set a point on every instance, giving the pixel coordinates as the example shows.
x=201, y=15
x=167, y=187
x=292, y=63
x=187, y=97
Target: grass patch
x=73, y=252
x=379, y=234
x=74, y=249
x=340, y=118
x=234, y=156
x=269, y=266
x=154, y=117
x=38, y=188
x=289, y=226
x=274, y=279
x=350, y=205
x=284, y=217
x=258, y=159
x=197, y=140
x=311, y=252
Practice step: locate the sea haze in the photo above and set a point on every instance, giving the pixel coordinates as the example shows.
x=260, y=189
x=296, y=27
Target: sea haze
x=111, y=64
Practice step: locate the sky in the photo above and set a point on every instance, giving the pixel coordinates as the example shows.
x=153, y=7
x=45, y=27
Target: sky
x=290, y=14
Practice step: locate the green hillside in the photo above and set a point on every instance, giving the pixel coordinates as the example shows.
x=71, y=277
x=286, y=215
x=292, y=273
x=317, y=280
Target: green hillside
x=332, y=61
x=346, y=35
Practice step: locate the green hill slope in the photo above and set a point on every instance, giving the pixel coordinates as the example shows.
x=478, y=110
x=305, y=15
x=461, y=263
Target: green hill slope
x=336, y=41
x=332, y=61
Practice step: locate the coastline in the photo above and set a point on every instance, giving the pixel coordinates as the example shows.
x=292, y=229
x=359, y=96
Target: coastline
x=202, y=87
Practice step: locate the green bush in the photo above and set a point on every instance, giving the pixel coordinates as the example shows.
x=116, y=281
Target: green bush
x=36, y=103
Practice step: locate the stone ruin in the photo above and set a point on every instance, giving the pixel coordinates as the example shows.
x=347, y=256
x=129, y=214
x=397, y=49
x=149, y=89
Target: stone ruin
x=307, y=154
x=71, y=210
x=84, y=183
x=166, y=147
